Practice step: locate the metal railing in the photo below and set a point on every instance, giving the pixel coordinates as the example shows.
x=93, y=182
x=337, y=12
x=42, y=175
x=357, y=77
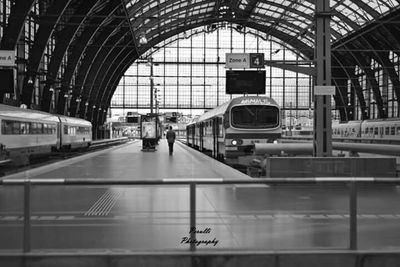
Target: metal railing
x=352, y=183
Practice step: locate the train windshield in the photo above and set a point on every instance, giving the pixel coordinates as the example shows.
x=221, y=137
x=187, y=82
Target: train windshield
x=255, y=116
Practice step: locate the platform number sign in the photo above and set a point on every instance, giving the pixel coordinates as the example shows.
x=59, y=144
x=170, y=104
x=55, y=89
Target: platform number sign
x=256, y=60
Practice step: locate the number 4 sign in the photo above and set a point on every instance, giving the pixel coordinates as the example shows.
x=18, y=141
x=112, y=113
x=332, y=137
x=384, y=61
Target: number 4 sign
x=256, y=60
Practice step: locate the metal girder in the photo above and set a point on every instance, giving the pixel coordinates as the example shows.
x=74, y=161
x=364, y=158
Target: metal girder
x=62, y=43
x=344, y=64
x=106, y=67
x=113, y=77
x=364, y=64
x=383, y=59
x=111, y=80
x=16, y=23
x=79, y=45
x=339, y=78
x=100, y=67
x=114, y=80
x=96, y=56
x=47, y=24
x=393, y=33
x=104, y=85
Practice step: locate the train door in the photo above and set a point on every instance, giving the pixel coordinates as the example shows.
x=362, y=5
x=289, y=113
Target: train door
x=201, y=134
x=215, y=130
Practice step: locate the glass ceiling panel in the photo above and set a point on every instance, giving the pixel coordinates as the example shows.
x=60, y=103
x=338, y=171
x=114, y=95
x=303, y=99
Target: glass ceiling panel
x=291, y=17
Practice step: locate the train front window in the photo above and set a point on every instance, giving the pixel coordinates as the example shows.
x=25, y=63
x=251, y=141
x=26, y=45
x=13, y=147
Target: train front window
x=255, y=116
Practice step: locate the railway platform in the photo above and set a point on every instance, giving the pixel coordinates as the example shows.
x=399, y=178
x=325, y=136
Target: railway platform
x=125, y=207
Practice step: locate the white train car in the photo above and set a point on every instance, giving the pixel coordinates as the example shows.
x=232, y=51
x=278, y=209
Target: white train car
x=351, y=129
x=230, y=130
x=75, y=133
x=387, y=129
x=28, y=132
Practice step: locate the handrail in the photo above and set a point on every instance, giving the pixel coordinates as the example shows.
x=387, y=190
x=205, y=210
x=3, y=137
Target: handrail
x=351, y=181
x=202, y=181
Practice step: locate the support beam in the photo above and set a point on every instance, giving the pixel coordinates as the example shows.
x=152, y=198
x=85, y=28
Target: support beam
x=322, y=145
x=47, y=25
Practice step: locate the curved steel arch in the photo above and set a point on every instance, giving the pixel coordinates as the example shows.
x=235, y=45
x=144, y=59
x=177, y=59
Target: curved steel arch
x=388, y=66
x=16, y=23
x=62, y=45
x=107, y=65
x=95, y=55
x=46, y=27
x=115, y=77
x=80, y=44
x=360, y=58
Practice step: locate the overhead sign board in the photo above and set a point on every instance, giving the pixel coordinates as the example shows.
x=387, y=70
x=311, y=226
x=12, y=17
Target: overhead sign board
x=7, y=58
x=256, y=60
x=324, y=90
x=237, y=61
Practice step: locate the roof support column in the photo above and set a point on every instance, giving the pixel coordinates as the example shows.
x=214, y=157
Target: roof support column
x=322, y=144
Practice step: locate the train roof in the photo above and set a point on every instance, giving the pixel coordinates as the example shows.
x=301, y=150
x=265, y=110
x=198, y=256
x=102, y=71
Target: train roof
x=12, y=112
x=75, y=121
x=243, y=100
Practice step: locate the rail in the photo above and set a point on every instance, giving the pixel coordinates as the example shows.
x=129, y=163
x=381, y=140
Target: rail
x=192, y=183
x=106, y=142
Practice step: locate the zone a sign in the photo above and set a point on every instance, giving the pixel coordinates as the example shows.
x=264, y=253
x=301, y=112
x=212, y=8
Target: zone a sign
x=7, y=58
x=244, y=60
x=237, y=61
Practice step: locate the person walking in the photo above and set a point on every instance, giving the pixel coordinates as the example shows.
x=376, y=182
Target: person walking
x=171, y=139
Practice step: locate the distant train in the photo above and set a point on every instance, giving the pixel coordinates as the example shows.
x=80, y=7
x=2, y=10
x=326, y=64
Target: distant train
x=382, y=130
x=27, y=133
x=230, y=130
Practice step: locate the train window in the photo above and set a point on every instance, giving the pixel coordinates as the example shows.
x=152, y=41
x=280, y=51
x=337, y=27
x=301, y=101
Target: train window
x=398, y=130
x=24, y=127
x=387, y=130
x=392, y=131
x=255, y=116
x=376, y=132
x=65, y=129
x=6, y=127
x=16, y=127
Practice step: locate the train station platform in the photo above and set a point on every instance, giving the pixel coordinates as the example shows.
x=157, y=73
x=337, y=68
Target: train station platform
x=150, y=224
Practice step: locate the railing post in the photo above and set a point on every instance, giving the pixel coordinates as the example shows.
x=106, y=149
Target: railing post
x=192, y=216
x=27, y=216
x=353, y=215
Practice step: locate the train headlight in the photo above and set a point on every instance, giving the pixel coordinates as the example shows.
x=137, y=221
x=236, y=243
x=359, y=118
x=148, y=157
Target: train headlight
x=237, y=142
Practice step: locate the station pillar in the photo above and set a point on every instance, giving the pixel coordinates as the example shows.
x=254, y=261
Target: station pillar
x=322, y=141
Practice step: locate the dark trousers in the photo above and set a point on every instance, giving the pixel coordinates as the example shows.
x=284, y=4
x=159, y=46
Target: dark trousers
x=171, y=147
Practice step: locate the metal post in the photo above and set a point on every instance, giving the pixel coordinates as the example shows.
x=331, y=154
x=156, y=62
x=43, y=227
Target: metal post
x=27, y=216
x=322, y=103
x=151, y=84
x=192, y=216
x=353, y=215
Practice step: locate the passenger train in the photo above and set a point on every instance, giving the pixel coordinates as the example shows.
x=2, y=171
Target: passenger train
x=378, y=130
x=26, y=133
x=230, y=130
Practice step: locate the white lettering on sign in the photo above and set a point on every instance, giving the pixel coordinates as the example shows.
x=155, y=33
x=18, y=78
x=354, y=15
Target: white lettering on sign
x=255, y=101
x=7, y=58
x=237, y=61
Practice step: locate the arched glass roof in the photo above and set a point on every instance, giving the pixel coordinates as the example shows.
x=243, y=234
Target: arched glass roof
x=291, y=21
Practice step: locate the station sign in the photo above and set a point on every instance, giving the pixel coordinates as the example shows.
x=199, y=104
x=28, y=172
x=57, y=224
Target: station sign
x=7, y=58
x=237, y=61
x=256, y=60
x=324, y=90
x=244, y=60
